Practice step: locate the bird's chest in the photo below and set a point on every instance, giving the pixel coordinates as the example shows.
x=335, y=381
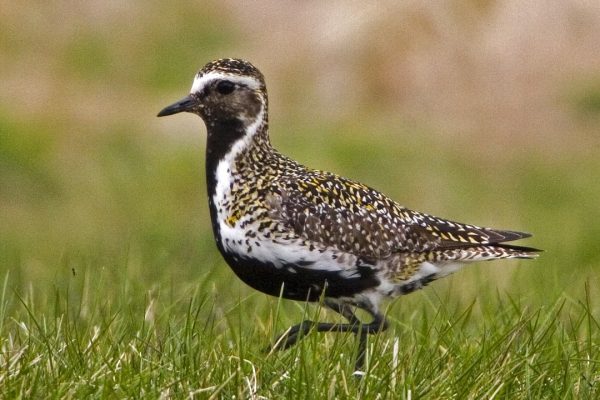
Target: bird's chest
x=245, y=228
x=238, y=198
x=238, y=210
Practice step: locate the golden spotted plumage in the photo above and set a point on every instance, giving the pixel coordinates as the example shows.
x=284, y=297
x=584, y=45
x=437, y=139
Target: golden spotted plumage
x=291, y=231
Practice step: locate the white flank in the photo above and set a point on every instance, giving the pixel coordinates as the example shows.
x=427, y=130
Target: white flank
x=281, y=253
x=440, y=270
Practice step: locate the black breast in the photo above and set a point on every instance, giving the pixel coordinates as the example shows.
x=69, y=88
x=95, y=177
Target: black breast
x=299, y=282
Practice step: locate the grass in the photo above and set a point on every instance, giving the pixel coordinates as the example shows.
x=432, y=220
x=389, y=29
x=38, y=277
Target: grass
x=101, y=340
x=112, y=287
x=110, y=283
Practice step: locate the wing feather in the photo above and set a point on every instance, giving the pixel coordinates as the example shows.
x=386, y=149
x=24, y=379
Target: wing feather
x=336, y=212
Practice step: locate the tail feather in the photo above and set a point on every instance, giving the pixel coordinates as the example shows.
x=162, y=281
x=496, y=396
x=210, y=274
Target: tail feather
x=513, y=251
x=486, y=252
x=499, y=236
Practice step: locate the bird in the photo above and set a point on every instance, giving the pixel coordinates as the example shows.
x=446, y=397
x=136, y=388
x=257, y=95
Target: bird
x=310, y=235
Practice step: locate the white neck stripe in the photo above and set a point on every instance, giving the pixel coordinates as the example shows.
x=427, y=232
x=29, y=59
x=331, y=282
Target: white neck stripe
x=223, y=170
x=251, y=131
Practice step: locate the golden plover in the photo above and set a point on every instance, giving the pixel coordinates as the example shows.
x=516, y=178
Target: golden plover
x=303, y=234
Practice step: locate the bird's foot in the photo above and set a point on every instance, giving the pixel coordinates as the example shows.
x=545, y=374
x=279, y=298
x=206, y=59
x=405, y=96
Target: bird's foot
x=291, y=336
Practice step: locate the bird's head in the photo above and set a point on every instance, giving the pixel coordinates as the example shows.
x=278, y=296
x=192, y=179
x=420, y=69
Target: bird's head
x=226, y=90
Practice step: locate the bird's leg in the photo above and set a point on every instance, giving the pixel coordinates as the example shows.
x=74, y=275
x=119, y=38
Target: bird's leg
x=291, y=336
x=296, y=332
x=347, y=313
x=379, y=324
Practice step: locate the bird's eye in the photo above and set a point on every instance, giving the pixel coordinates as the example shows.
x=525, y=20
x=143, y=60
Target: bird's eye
x=225, y=87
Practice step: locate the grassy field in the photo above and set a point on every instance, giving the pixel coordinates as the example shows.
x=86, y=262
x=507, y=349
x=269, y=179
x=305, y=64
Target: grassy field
x=110, y=283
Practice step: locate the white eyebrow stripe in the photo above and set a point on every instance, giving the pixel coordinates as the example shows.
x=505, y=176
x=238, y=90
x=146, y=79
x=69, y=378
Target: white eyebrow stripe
x=202, y=80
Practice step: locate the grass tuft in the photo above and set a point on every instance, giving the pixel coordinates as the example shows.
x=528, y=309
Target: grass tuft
x=189, y=345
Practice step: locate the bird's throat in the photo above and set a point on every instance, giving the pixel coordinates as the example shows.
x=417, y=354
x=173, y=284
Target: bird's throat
x=221, y=137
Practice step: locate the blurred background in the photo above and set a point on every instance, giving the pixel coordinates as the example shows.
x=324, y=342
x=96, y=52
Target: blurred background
x=480, y=111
